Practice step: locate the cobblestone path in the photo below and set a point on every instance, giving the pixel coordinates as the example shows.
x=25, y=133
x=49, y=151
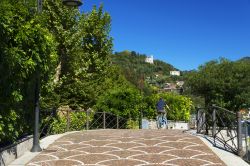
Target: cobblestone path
x=127, y=148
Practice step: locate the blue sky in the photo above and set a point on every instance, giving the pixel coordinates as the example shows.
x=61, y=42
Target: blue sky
x=184, y=33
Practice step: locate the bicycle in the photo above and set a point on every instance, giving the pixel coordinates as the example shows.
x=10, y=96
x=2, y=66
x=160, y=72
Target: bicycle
x=161, y=120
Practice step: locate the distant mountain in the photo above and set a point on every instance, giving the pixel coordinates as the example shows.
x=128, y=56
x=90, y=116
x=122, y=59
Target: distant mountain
x=137, y=71
x=245, y=59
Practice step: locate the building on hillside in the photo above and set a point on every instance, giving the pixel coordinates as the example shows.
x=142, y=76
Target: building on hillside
x=173, y=87
x=180, y=83
x=175, y=73
x=150, y=59
x=169, y=87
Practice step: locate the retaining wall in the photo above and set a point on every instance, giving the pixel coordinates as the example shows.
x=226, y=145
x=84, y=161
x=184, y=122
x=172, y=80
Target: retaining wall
x=10, y=153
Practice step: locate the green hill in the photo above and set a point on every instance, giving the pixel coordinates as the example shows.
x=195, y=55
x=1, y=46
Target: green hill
x=139, y=72
x=245, y=59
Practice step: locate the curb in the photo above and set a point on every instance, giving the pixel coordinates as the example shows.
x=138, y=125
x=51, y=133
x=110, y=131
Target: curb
x=228, y=158
x=44, y=143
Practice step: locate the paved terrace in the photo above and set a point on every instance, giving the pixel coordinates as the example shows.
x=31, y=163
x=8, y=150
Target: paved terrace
x=127, y=148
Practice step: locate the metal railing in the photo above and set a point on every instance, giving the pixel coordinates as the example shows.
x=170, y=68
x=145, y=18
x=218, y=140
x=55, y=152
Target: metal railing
x=88, y=120
x=246, y=140
x=104, y=120
x=223, y=126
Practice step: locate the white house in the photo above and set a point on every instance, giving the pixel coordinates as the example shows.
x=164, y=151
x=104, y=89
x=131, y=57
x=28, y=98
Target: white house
x=175, y=73
x=150, y=59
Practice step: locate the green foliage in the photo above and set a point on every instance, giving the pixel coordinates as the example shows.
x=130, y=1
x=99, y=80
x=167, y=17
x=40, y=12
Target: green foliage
x=26, y=51
x=84, y=49
x=140, y=73
x=58, y=124
x=77, y=121
x=67, y=51
x=149, y=109
x=125, y=102
x=25, y=48
x=223, y=82
x=180, y=106
x=9, y=126
x=132, y=124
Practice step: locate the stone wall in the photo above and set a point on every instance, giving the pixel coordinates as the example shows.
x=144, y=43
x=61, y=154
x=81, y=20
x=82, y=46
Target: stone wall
x=10, y=154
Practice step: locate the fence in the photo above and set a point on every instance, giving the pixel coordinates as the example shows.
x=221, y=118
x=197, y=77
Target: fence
x=224, y=128
x=246, y=140
x=87, y=120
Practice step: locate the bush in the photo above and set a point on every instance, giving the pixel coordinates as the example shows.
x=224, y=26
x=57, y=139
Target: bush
x=11, y=127
x=132, y=124
x=125, y=102
x=78, y=120
x=58, y=124
x=180, y=106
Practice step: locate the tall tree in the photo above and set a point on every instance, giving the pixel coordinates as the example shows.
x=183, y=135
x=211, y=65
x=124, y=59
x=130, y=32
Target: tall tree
x=26, y=50
x=84, y=49
x=223, y=82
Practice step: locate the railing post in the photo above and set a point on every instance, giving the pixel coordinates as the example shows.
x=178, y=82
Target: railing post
x=214, y=122
x=117, y=121
x=87, y=118
x=104, y=120
x=198, y=119
x=201, y=117
x=246, y=140
x=239, y=135
x=205, y=126
x=140, y=120
x=68, y=120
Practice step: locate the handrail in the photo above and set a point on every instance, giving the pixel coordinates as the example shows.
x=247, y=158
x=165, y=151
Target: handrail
x=224, y=109
x=94, y=120
x=111, y=121
x=224, y=125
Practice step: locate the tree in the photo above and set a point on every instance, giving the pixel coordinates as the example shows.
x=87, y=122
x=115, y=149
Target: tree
x=62, y=22
x=223, y=82
x=84, y=49
x=26, y=50
x=125, y=102
x=68, y=50
x=90, y=61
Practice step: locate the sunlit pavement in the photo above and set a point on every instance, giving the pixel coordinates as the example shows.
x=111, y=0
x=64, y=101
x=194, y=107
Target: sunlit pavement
x=127, y=148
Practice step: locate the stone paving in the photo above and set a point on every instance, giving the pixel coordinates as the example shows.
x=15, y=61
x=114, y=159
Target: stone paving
x=127, y=148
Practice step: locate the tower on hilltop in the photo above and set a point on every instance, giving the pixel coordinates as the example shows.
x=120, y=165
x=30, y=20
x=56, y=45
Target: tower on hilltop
x=150, y=59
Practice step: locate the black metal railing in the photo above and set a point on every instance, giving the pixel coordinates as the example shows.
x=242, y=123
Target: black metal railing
x=104, y=120
x=246, y=140
x=89, y=120
x=223, y=126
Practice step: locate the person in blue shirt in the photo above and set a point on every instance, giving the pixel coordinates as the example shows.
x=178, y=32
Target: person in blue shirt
x=161, y=113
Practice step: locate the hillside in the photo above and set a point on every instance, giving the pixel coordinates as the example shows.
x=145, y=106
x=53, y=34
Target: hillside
x=139, y=72
x=245, y=59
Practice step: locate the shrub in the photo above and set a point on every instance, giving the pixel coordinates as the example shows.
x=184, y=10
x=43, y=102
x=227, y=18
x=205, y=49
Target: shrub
x=58, y=124
x=132, y=124
x=180, y=106
x=125, y=102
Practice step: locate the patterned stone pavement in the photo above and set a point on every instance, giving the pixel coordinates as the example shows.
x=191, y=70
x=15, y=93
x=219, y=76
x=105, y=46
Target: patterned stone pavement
x=127, y=148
